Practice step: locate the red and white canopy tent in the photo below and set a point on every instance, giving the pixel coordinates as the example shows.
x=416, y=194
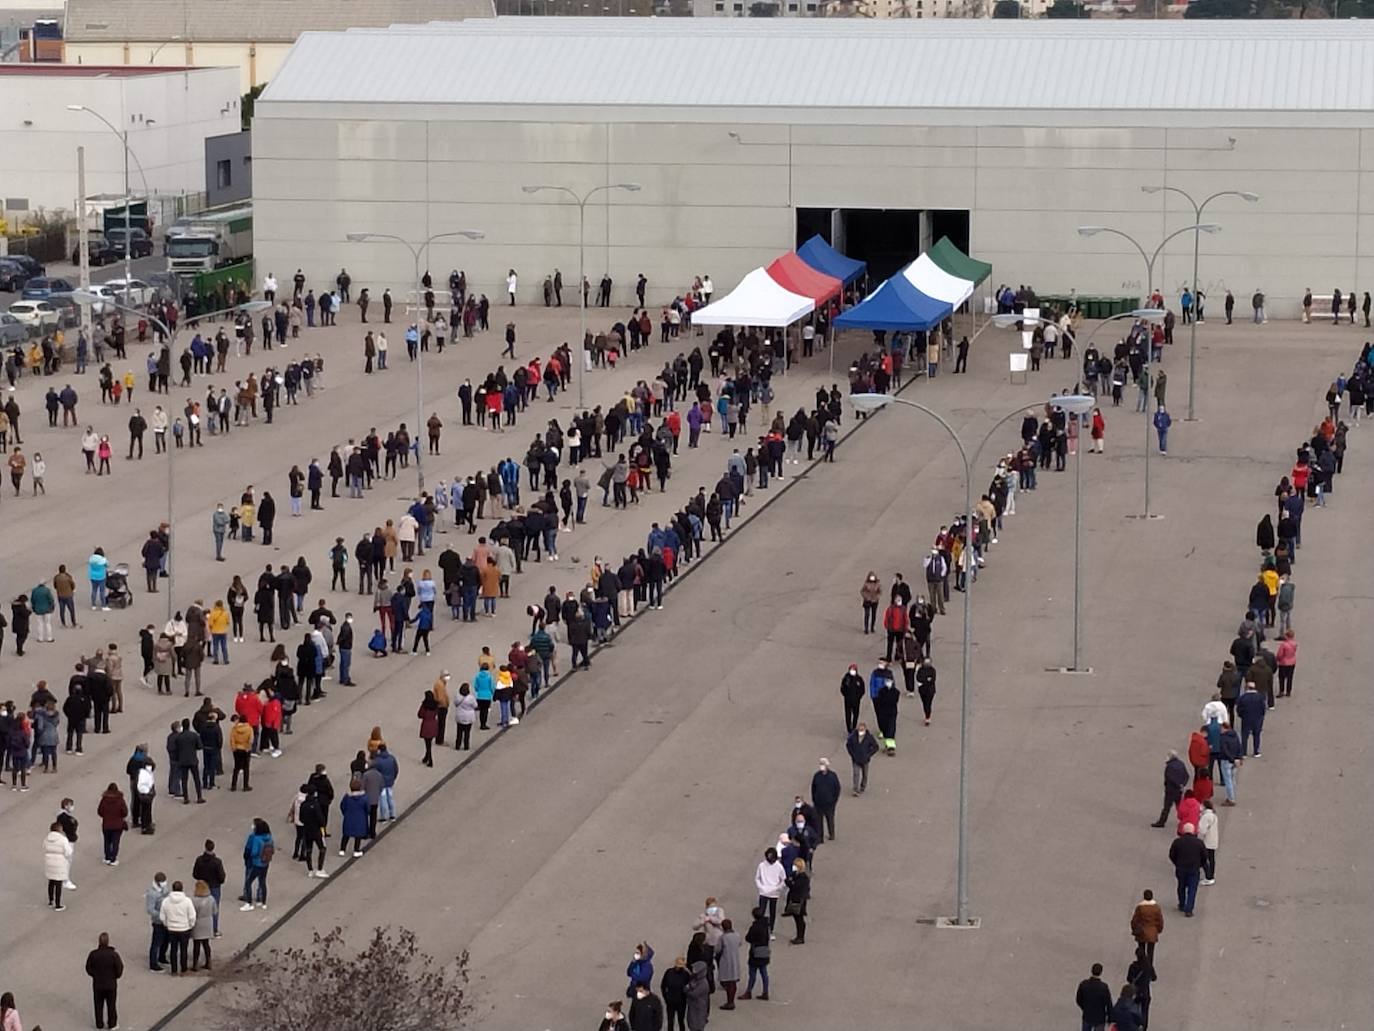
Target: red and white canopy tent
x=759, y=300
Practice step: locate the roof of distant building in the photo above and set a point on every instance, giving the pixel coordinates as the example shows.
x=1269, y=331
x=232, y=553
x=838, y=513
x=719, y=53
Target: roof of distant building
x=45, y=70
x=982, y=64
x=261, y=21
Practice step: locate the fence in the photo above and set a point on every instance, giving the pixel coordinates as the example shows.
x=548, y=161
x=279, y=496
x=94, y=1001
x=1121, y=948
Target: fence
x=47, y=246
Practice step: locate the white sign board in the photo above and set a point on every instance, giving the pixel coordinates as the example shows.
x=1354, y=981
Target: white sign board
x=1019, y=362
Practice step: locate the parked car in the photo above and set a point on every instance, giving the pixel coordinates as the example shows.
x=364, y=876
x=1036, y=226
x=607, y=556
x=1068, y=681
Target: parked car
x=12, y=331
x=139, y=292
x=98, y=250
x=34, y=313
x=42, y=286
x=140, y=245
x=13, y=276
x=68, y=311
x=32, y=266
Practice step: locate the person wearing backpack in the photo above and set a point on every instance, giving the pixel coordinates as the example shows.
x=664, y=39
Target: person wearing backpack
x=258, y=851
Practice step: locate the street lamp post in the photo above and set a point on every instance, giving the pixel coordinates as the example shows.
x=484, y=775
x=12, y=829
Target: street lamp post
x=250, y=308
x=416, y=251
x=1197, y=239
x=128, y=202
x=1076, y=405
x=581, y=202
x=1197, y=227
x=872, y=403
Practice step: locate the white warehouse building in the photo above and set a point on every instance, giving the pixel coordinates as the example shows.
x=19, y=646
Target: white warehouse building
x=745, y=137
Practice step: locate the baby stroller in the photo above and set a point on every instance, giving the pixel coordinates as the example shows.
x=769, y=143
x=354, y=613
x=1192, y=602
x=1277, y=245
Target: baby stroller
x=117, y=587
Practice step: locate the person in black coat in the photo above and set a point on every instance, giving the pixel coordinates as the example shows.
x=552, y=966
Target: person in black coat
x=1140, y=975
x=673, y=987
x=1094, y=999
x=77, y=710
x=852, y=689
x=798, y=893
x=267, y=515
x=105, y=968
x=265, y=606
x=862, y=747
x=646, y=1011
x=825, y=795
x=1175, y=780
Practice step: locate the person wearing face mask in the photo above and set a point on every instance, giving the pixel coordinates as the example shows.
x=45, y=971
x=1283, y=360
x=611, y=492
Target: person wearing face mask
x=698, y=998
x=646, y=1011
x=825, y=796
x=852, y=690
x=674, y=988
x=641, y=968
x=710, y=921
x=804, y=836
x=862, y=747
x=615, y=1020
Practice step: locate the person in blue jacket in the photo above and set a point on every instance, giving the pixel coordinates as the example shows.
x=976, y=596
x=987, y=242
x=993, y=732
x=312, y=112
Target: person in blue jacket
x=484, y=690
x=641, y=968
x=353, y=806
x=1163, y=420
x=258, y=850
x=387, y=766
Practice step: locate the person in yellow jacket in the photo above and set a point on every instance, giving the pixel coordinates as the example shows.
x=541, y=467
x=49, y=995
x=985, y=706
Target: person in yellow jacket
x=241, y=747
x=1270, y=577
x=129, y=383
x=247, y=513
x=217, y=622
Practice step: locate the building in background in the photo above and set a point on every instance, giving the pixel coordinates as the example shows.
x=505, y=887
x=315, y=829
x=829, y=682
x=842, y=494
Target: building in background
x=228, y=168
x=747, y=136
x=253, y=36
x=29, y=31
x=168, y=114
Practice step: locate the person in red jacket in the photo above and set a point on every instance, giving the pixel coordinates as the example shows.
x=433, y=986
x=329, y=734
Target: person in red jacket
x=1189, y=810
x=248, y=705
x=896, y=622
x=1199, y=751
x=271, y=725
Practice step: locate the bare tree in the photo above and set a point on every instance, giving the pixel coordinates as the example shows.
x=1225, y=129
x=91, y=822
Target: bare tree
x=389, y=986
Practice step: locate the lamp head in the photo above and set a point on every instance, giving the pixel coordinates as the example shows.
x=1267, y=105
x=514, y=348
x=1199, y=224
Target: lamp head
x=1209, y=227
x=631, y=187
x=357, y=237
x=1090, y=230
x=1247, y=195
x=869, y=402
x=1150, y=189
x=1008, y=320
x=531, y=189
x=76, y=107
x=1149, y=314
x=1074, y=404
x=253, y=307
x=471, y=234
x=86, y=297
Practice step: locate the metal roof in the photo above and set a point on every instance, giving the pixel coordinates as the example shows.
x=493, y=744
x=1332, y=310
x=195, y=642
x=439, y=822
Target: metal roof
x=260, y=21
x=1292, y=65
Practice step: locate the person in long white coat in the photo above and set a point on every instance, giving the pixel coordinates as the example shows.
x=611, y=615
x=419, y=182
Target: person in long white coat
x=57, y=864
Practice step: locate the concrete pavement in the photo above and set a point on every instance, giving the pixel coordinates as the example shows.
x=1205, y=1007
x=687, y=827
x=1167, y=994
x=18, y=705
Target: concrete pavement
x=672, y=784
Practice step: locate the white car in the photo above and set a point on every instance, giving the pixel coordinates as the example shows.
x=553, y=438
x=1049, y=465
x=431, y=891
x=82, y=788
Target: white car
x=35, y=313
x=137, y=295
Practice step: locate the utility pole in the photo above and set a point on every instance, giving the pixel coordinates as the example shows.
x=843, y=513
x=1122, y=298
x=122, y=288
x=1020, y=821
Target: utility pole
x=83, y=236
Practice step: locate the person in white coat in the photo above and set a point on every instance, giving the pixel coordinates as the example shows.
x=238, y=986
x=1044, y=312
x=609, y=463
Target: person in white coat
x=57, y=864
x=771, y=880
x=178, y=914
x=1209, y=830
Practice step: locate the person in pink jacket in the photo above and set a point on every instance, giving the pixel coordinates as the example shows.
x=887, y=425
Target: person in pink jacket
x=1287, y=655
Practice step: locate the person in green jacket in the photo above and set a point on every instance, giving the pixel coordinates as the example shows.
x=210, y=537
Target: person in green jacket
x=42, y=602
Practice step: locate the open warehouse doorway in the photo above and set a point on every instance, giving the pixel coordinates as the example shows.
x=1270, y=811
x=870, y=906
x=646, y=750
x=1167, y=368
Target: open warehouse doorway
x=886, y=238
